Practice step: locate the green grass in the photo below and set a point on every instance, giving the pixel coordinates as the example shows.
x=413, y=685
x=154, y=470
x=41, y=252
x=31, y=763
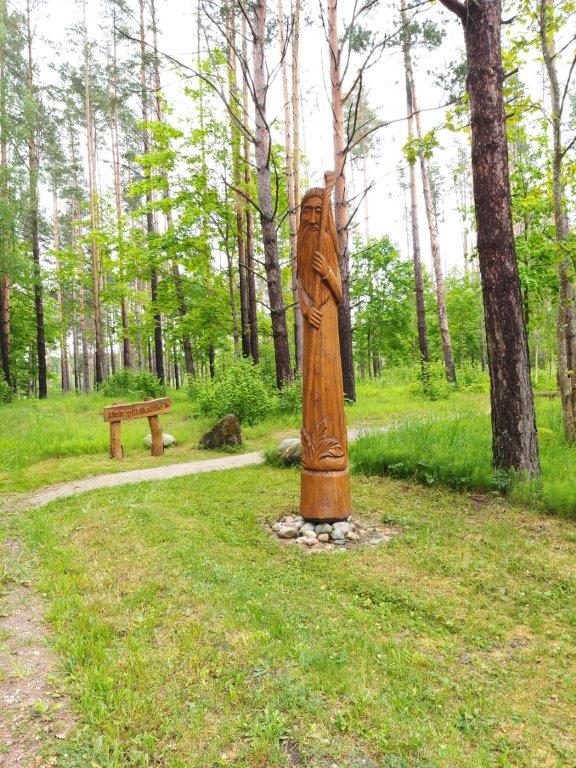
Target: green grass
x=189, y=638
x=457, y=452
x=64, y=437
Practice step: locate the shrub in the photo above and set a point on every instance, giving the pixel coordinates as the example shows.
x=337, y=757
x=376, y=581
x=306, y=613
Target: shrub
x=431, y=382
x=290, y=397
x=239, y=389
x=5, y=391
x=136, y=384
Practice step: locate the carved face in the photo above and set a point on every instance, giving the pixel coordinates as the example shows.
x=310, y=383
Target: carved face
x=311, y=213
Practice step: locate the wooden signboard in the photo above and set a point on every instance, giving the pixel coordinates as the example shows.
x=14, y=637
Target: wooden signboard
x=150, y=409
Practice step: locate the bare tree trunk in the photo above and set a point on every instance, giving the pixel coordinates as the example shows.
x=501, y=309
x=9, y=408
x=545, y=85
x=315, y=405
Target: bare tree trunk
x=84, y=337
x=239, y=202
x=178, y=280
x=514, y=444
x=266, y=204
x=150, y=223
x=566, y=325
x=94, y=217
x=33, y=171
x=296, y=154
x=341, y=203
x=4, y=193
x=430, y=213
x=5, y=327
x=250, y=269
x=416, y=256
x=292, y=218
x=64, y=368
x=115, y=141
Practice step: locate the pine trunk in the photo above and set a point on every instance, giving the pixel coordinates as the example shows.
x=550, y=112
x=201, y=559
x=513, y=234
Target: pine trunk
x=94, y=217
x=64, y=367
x=115, y=141
x=416, y=255
x=341, y=203
x=289, y=159
x=250, y=269
x=514, y=444
x=296, y=140
x=34, y=213
x=234, y=109
x=266, y=204
x=150, y=223
x=431, y=219
x=566, y=323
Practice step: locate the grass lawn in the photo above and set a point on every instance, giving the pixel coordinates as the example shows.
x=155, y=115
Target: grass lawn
x=190, y=639
x=456, y=451
x=65, y=438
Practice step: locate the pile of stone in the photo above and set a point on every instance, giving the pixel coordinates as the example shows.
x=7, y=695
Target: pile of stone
x=325, y=535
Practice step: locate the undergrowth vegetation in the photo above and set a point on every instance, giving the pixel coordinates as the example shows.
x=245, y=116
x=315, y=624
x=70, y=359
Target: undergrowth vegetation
x=245, y=390
x=456, y=451
x=137, y=384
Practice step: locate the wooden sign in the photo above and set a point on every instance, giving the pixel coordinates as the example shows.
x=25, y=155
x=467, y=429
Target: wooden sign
x=126, y=412
x=150, y=409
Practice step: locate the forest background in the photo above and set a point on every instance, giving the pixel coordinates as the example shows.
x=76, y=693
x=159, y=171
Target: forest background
x=149, y=186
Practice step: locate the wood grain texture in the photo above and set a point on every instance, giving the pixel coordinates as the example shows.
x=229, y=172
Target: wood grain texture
x=325, y=485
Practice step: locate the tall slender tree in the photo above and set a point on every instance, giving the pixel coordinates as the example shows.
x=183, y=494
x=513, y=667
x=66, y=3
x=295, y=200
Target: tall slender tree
x=514, y=444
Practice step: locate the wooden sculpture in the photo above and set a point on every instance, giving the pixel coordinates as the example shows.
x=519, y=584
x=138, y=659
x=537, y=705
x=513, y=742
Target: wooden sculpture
x=325, y=482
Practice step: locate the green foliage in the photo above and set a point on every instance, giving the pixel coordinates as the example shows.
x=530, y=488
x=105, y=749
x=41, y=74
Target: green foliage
x=431, y=382
x=290, y=397
x=239, y=388
x=382, y=288
x=133, y=383
x=456, y=452
x=5, y=391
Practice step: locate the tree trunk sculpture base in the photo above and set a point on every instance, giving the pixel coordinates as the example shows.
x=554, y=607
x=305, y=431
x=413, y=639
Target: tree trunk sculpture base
x=325, y=496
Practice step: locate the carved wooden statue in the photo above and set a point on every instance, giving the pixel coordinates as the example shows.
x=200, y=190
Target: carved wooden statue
x=325, y=482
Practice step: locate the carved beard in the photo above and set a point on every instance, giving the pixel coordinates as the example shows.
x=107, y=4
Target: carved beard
x=306, y=245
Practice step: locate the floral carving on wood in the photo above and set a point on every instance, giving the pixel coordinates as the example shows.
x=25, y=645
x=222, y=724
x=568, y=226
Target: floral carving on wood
x=319, y=445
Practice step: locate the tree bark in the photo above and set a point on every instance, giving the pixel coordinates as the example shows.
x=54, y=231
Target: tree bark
x=94, y=218
x=415, y=229
x=251, y=273
x=566, y=322
x=266, y=207
x=341, y=203
x=64, y=367
x=150, y=223
x=289, y=160
x=33, y=172
x=296, y=153
x=514, y=444
x=115, y=142
x=239, y=202
x=430, y=215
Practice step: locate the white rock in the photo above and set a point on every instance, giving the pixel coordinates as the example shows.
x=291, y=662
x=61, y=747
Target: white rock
x=308, y=533
x=323, y=537
x=167, y=440
x=352, y=536
x=287, y=532
x=307, y=527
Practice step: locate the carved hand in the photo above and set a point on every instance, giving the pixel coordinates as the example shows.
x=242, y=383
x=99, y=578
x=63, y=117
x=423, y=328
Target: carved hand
x=320, y=264
x=314, y=317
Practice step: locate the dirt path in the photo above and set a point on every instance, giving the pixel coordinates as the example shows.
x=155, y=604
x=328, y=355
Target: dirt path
x=46, y=495
x=31, y=710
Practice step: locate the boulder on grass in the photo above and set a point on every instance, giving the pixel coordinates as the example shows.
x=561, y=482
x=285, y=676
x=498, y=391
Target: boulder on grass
x=290, y=451
x=225, y=433
x=166, y=439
